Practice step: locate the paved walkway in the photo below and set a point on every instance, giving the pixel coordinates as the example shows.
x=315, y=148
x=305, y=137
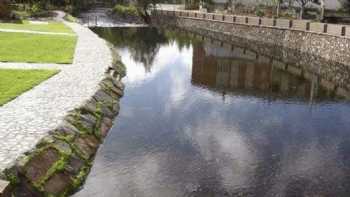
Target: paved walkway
x=32, y=66
x=28, y=118
x=35, y=32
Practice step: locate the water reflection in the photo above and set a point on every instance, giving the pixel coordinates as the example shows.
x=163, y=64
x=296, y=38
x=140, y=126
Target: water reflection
x=207, y=121
x=243, y=72
x=142, y=43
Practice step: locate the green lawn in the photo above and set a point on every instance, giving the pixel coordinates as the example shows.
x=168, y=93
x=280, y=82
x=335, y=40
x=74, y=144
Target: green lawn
x=14, y=82
x=56, y=27
x=38, y=48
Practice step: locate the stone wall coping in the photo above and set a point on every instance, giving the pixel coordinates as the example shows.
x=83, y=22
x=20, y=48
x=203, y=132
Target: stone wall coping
x=347, y=31
x=291, y=24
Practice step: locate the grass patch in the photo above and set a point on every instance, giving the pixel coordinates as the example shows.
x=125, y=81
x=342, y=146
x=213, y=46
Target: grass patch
x=55, y=27
x=14, y=82
x=24, y=47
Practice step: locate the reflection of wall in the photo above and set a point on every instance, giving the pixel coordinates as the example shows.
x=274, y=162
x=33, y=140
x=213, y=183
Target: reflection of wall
x=328, y=61
x=242, y=74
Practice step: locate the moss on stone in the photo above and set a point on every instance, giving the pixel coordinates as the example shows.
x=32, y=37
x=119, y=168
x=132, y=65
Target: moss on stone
x=66, y=138
x=56, y=167
x=11, y=176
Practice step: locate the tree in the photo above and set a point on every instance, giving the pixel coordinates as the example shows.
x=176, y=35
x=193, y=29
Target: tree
x=232, y=4
x=143, y=8
x=321, y=3
x=303, y=4
x=277, y=3
x=345, y=4
x=4, y=9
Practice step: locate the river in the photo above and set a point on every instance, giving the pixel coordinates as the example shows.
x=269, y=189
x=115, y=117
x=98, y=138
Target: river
x=202, y=120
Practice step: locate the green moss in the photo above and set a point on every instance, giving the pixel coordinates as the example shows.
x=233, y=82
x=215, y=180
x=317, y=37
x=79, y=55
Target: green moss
x=56, y=167
x=81, y=177
x=121, y=69
x=76, y=122
x=12, y=177
x=65, y=138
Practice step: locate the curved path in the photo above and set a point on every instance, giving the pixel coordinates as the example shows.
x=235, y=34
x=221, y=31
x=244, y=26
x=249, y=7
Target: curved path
x=35, y=32
x=28, y=118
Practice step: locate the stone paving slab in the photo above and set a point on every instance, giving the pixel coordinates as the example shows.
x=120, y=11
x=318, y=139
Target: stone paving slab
x=28, y=118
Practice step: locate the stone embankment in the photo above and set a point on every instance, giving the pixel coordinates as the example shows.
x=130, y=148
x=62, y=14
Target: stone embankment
x=50, y=134
x=325, y=40
x=320, y=48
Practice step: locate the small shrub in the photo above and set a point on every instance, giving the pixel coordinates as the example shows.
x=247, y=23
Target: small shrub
x=128, y=10
x=35, y=9
x=71, y=18
x=260, y=13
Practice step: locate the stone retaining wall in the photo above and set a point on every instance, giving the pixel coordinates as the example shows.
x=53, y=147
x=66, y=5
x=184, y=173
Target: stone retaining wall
x=301, y=25
x=60, y=163
x=271, y=44
x=313, y=41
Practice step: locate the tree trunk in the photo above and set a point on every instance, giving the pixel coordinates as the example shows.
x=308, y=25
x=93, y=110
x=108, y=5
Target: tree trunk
x=302, y=10
x=233, y=6
x=322, y=11
x=4, y=10
x=278, y=8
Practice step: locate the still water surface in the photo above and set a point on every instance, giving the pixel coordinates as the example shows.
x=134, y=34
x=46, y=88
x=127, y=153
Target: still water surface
x=200, y=120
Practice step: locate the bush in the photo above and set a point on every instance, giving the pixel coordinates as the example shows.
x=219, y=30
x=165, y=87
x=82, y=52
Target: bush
x=128, y=10
x=71, y=18
x=260, y=13
x=35, y=9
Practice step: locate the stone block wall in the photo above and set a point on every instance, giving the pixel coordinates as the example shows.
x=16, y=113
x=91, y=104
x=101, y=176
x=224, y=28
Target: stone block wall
x=321, y=53
x=253, y=20
x=200, y=15
x=177, y=13
x=268, y=22
x=318, y=27
x=229, y=18
x=241, y=19
x=337, y=30
x=60, y=163
x=218, y=17
x=192, y=14
x=300, y=25
x=283, y=23
x=209, y=16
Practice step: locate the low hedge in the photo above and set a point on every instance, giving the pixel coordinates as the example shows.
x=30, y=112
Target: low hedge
x=125, y=10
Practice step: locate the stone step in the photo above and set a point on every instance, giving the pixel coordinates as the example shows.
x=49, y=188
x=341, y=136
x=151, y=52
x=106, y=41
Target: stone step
x=4, y=188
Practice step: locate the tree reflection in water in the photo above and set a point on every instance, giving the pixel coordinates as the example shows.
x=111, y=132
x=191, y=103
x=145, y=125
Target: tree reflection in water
x=175, y=137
